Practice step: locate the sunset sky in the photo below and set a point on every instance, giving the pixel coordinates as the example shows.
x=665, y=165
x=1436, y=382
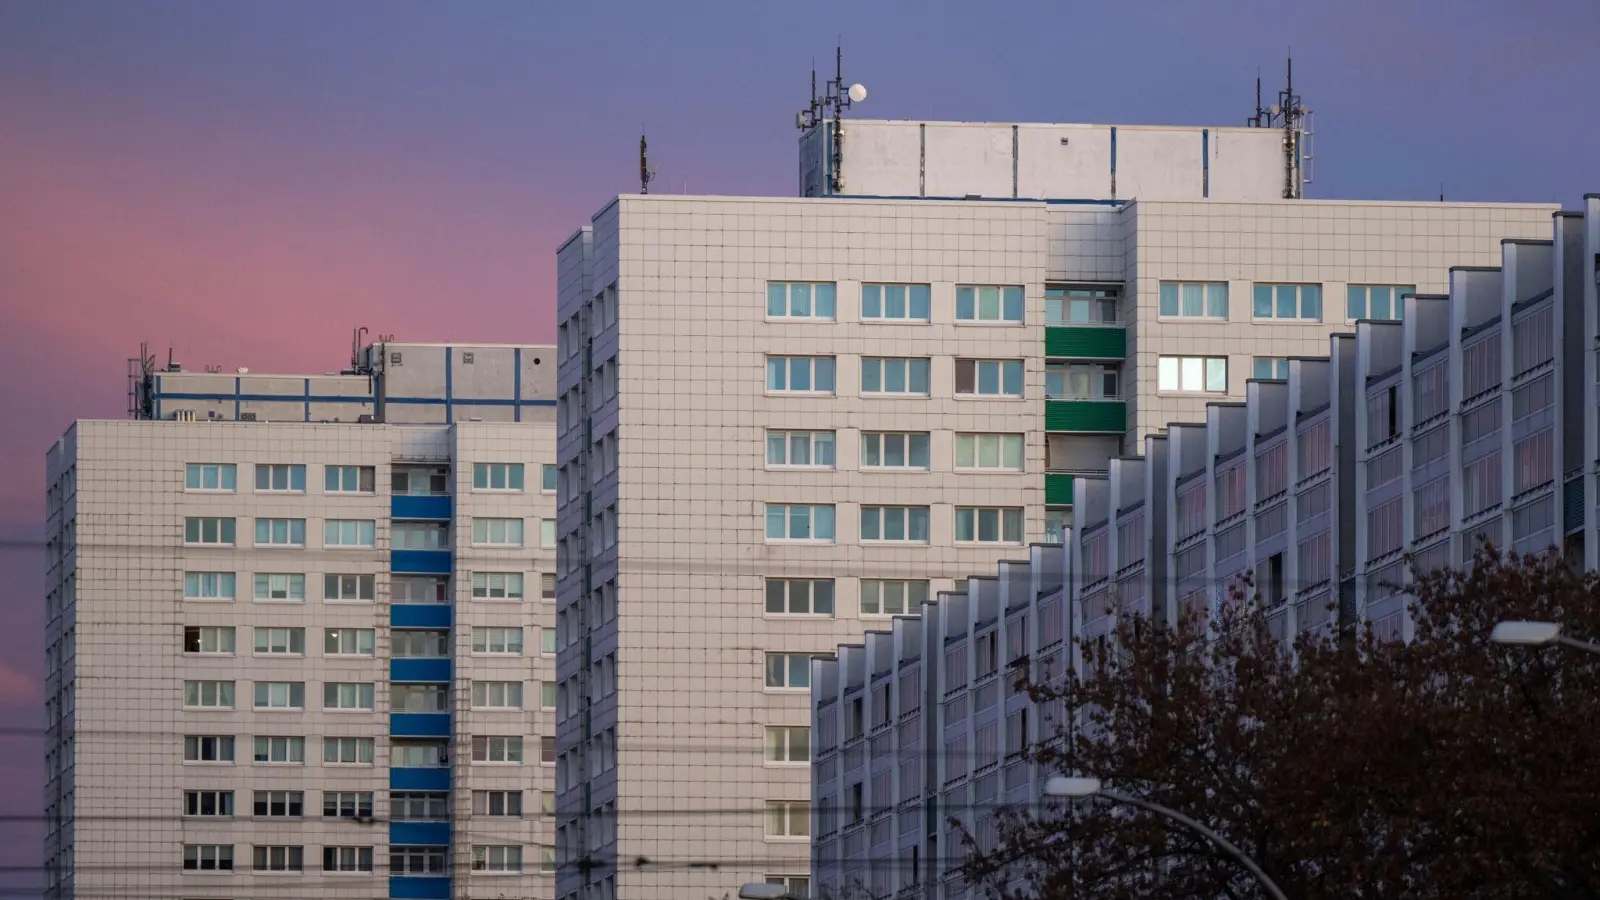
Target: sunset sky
x=245, y=182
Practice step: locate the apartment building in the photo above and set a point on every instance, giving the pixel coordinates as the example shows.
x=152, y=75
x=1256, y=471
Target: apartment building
x=1470, y=417
x=297, y=648
x=783, y=420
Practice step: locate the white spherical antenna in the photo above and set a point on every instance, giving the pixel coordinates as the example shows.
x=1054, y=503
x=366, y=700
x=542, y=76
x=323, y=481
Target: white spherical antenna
x=858, y=93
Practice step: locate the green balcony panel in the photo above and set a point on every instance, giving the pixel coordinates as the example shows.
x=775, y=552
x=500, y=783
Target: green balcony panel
x=1057, y=490
x=1086, y=416
x=1086, y=342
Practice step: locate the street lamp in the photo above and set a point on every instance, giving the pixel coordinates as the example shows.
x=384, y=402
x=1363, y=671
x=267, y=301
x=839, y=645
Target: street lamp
x=757, y=890
x=1078, y=788
x=1537, y=634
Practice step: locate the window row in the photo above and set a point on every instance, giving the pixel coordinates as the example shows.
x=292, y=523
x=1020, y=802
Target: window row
x=359, y=751
x=897, y=524
x=815, y=596
x=341, y=588
x=1000, y=304
x=1284, y=302
x=894, y=376
x=291, y=478
x=485, y=858
x=359, y=696
x=361, y=534
x=221, y=640
x=908, y=451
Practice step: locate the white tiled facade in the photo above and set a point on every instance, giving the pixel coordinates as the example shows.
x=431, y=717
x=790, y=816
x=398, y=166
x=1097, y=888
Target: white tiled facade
x=381, y=601
x=1471, y=417
x=665, y=346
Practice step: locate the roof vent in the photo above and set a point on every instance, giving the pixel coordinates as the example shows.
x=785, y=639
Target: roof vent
x=247, y=417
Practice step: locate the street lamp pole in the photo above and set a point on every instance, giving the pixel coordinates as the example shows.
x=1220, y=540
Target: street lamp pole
x=1537, y=634
x=1088, y=788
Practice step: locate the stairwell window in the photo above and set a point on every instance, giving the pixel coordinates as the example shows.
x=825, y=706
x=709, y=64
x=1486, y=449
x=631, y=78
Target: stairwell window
x=1192, y=374
x=1194, y=300
x=800, y=300
x=800, y=374
x=799, y=522
x=989, y=378
x=989, y=525
x=1291, y=302
x=989, y=303
x=895, y=302
x=219, y=477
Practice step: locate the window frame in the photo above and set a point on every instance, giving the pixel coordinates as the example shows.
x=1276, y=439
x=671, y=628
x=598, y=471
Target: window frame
x=1397, y=295
x=292, y=528
x=789, y=601
x=227, y=478
x=268, y=631
x=908, y=451
x=290, y=582
x=488, y=579
x=1004, y=517
x=221, y=580
x=363, y=531
x=361, y=694
x=1274, y=366
x=908, y=522
x=510, y=477
x=355, y=744
x=970, y=300
x=1205, y=375
x=335, y=637
x=290, y=691
x=911, y=369
x=227, y=531
x=789, y=659
x=290, y=471
x=290, y=743
x=909, y=603
x=789, y=812
x=1002, y=368
x=812, y=371
x=813, y=440
x=779, y=745
x=333, y=479
x=364, y=584
x=782, y=309
x=487, y=633
x=1001, y=440
x=1214, y=301
x=812, y=519
x=505, y=527
x=1274, y=296
x=879, y=292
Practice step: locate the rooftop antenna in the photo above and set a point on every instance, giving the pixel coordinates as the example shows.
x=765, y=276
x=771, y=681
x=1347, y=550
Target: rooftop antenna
x=836, y=97
x=1291, y=115
x=355, y=350
x=647, y=172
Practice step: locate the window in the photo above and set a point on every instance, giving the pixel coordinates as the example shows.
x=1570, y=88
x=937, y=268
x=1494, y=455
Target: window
x=894, y=376
x=208, y=803
x=420, y=481
x=800, y=596
x=789, y=670
x=497, y=476
x=347, y=695
x=348, y=641
x=1194, y=300
x=496, y=858
x=208, y=585
x=989, y=525
x=348, y=533
x=208, y=857
x=214, y=639
x=349, y=588
x=788, y=818
x=892, y=598
x=280, y=749
x=497, y=532
x=1082, y=381
x=548, y=477
x=547, y=586
x=497, y=694
x=1208, y=374
x=209, y=477
x=1377, y=301
x=1270, y=367
x=497, y=640
x=279, y=586
x=1532, y=462
x=800, y=374
x=208, y=748
x=894, y=450
x=419, y=754
x=547, y=641
x=497, y=803
x=1055, y=525
x=280, y=695
x=1480, y=485
x=347, y=859
x=797, y=522
x=419, y=698
x=989, y=377
x=419, y=806
x=281, y=478
x=208, y=530
x=419, y=644
x=788, y=744
x=547, y=751
x=1001, y=452
x=497, y=585
x=800, y=449
x=800, y=300
x=416, y=860
x=348, y=805
x=1072, y=306
x=894, y=523
x=547, y=533
x=1299, y=302
x=547, y=803
x=279, y=804
x=895, y=302
x=988, y=303
x=208, y=694
x=799, y=886
x=347, y=751
x=349, y=479
x=280, y=532
x=497, y=749
x=547, y=695
x=277, y=858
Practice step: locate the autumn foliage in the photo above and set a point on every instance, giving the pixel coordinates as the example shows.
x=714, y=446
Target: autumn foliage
x=1446, y=767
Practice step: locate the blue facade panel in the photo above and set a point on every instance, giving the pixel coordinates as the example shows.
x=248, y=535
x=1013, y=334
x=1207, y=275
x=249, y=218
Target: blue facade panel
x=419, y=562
x=401, y=507
x=419, y=725
x=419, y=887
x=419, y=669
x=432, y=834
x=432, y=779
x=420, y=615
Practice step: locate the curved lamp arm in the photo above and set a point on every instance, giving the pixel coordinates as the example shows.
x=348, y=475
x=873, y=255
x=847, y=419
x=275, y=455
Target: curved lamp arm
x=1209, y=835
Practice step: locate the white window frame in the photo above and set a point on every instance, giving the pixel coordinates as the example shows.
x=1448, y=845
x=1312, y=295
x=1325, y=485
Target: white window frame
x=365, y=588
x=222, y=694
x=293, y=587
x=1010, y=519
x=782, y=296
x=813, y=366
x=1002, y=444
x=293, y=750
x=292, y=482
x=348, y=696
x=269, y=646
x=498, y=477
x=279, y=532
x=334, y=481
x=223, y=746
x=1173, y=375
x=793, y=603
x=883, y=371
x=215, y=587
x=497, y=695
x=226, y=531
x=347, y=860
x=208, y=857
x=221, y=638
x=1397, y=295
x=286, y=798
x=277, y=858
x=1300, y=289
x=791, y=664
x=878, y=295
x=348, y=751
x=549, y=478
x=275, y=696
x=786, y=440
x=497, y=749
x=907, y=516
x=347, y=804
x=975, y=295
x=879, y=589
x=194, y=804
x=361, y=642
x=485, y=803
x=1213, y=301
x=225, y=478
x=1059, y=381
x=349, y=534
x=782, y=745
x=812, y=519
x=875, y=445
x=510, y=586
x=781, y=818
x=497, y=532
x=496, y=859
x=1001, y=367
x=497, y=640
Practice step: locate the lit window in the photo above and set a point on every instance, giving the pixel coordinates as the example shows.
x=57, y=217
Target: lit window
x=1294, y=302
x=885, y=450
x=212, y=639
x=1194, y=300
x=800, y=449
x=988, y=303
x=894, y=376
x=1383, y=302
x=800, y=596
x=497, y=476
x=895, y=523
x=800, y=300
x=1198, y=374
x=281, y=478
x=892, y=597
x=989, y=377
x=895, y=302
x=799, y=522
x=1001, y=452
x=989, y=525
x=210, y=477
x=800, y=374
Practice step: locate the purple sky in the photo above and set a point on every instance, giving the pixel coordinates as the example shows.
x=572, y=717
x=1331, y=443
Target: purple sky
x=246, y=182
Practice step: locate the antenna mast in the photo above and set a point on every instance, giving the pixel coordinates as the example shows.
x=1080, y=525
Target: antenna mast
x=1291, y=115
x=647, y=172
x=836, y=97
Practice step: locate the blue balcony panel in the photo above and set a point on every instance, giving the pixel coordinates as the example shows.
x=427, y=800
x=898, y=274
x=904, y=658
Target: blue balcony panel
x=419, y=669
x=419, y=725
x=419, y=615
x=419, y=562
x=419, y=887
x=419, y=779
x=432, y=834
x=419, y=508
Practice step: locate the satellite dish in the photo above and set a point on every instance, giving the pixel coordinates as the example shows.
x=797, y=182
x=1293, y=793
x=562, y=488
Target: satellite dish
x=858, y=93
x=1275, y=109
